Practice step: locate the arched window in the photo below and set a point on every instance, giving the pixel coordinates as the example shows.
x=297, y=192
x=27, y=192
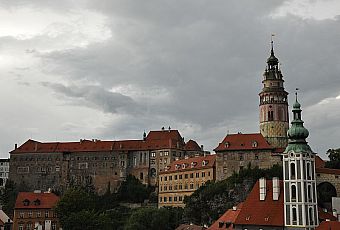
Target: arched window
x=294, y=215
x=311, y=216
x=310, y=198
x=292, y=171
x=293, y=193
x=309, y=177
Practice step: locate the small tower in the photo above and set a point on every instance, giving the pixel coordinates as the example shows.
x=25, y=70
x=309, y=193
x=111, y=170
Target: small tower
x=274, y=120
x=300, y=199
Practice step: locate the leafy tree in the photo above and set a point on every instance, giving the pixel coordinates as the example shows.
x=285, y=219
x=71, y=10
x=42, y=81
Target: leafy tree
x=334, y=158
x=154, y=219
x=86, y=220
x=132, y=190
x=8, y=197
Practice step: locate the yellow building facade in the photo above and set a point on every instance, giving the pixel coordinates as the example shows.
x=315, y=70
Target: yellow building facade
x=183, y=177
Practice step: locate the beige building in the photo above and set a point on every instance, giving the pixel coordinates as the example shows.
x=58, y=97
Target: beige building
x=183, y=177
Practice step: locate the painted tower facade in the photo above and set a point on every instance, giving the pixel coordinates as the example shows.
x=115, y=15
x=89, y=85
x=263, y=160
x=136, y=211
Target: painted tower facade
x=274, y=119
x=300, y=199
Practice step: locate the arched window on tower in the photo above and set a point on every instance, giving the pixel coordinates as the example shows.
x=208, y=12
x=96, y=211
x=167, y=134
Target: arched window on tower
x=294, y=215
x=308, y=171
x=311, y=216
x=310, y=197
x=270, y=115
x=293, y=191
x=292, y=171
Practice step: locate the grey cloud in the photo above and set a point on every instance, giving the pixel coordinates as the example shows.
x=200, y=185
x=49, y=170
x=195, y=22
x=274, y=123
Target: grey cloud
x=96, y=97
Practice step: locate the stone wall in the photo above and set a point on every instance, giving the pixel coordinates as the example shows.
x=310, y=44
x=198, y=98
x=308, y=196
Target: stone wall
x=229, y=162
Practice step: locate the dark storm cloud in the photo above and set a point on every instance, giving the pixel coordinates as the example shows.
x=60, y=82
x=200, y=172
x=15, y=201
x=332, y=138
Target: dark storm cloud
x=96, y=97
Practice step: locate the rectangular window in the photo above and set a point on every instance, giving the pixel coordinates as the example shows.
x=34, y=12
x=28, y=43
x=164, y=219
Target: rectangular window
x=180, y=198
x=180, y=176
x=175, y=198
x=186, y=176
x=46, y=214
x=165, y=199
x=21, y=227
x=191, y=186
x=170, y=199
x=175, y=177
x=38, y=214
x=153, y=154
x=191, y=175
x=54, y=226
x=160, y=199
x=165, y=178
x=83, y=165
x=30, y=213
x=21, y=215
x=166, y=153
x=203, y=174
x=197, y=175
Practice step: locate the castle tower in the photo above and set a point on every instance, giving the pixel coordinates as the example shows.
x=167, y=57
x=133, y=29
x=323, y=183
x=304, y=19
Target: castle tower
x=300, y=199
x=274, y=120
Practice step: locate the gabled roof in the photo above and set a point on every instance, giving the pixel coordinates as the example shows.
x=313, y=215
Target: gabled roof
x=319, y=163
x=242, y=141
x=192, y=145
x=268, y=212
x=329, y=225
x=227, y=220
x=328, y=171
x=192, y=163
x=31, y=200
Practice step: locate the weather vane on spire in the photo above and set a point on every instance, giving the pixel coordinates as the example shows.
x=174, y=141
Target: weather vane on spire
x=296, y=93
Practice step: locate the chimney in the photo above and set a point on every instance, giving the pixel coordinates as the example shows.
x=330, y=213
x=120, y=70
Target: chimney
x=276, y=188
x=262, y=183
x=15, y=146
x=202, y=148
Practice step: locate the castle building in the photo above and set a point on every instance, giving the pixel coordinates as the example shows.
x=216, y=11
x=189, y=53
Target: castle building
x=263, y=149
x=300, y=200
x=101, y=164
x=182, y=177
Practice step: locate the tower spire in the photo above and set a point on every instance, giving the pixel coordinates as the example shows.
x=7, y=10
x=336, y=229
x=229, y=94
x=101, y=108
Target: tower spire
x=272, y=44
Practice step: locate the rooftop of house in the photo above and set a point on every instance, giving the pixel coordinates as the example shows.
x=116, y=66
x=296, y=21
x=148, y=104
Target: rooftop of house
x=164, y=139
x=192, y=145
x=271, y=213
x=36, y=200
x=191, y=163
x=227, y=220
x=328, y=225
x=242, y=141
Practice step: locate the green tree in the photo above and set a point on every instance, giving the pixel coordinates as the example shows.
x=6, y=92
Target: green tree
x=132, y=190
x=154, y=219
x=334, y=158
x=86, y=220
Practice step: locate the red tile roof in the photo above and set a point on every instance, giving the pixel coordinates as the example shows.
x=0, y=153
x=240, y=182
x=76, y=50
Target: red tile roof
x=328, y=171
x=243, y=142
x=325, y=215
x=36, y=200
x=192, y=163
x=319, y=163
x=268, y=212
x=227, y=220
x=192, y=145
x=170, y=139
x=328, y=225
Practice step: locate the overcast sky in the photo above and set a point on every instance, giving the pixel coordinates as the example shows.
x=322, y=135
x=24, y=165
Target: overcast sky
x=111, y=69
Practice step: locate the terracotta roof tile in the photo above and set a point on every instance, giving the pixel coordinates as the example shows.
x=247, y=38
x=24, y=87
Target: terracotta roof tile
x=192, y=163
x=243, y=142
x=271, y=213
x=325, y=215
x=227, y=220
x=328, y=171
x=319, y=163
x=329, y=225
x=36, y=200
x=192, y=145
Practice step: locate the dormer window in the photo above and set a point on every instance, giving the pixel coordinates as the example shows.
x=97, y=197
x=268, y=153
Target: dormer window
x=205, y=162
x=37, y=202
x=178, y=166
x=26, y=202
x=193, y=164
x=183, y=165
x=254, y=144
x=227, y=144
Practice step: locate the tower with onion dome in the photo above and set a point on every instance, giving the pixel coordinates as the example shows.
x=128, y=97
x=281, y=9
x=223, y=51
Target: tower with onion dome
x=300, y=196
